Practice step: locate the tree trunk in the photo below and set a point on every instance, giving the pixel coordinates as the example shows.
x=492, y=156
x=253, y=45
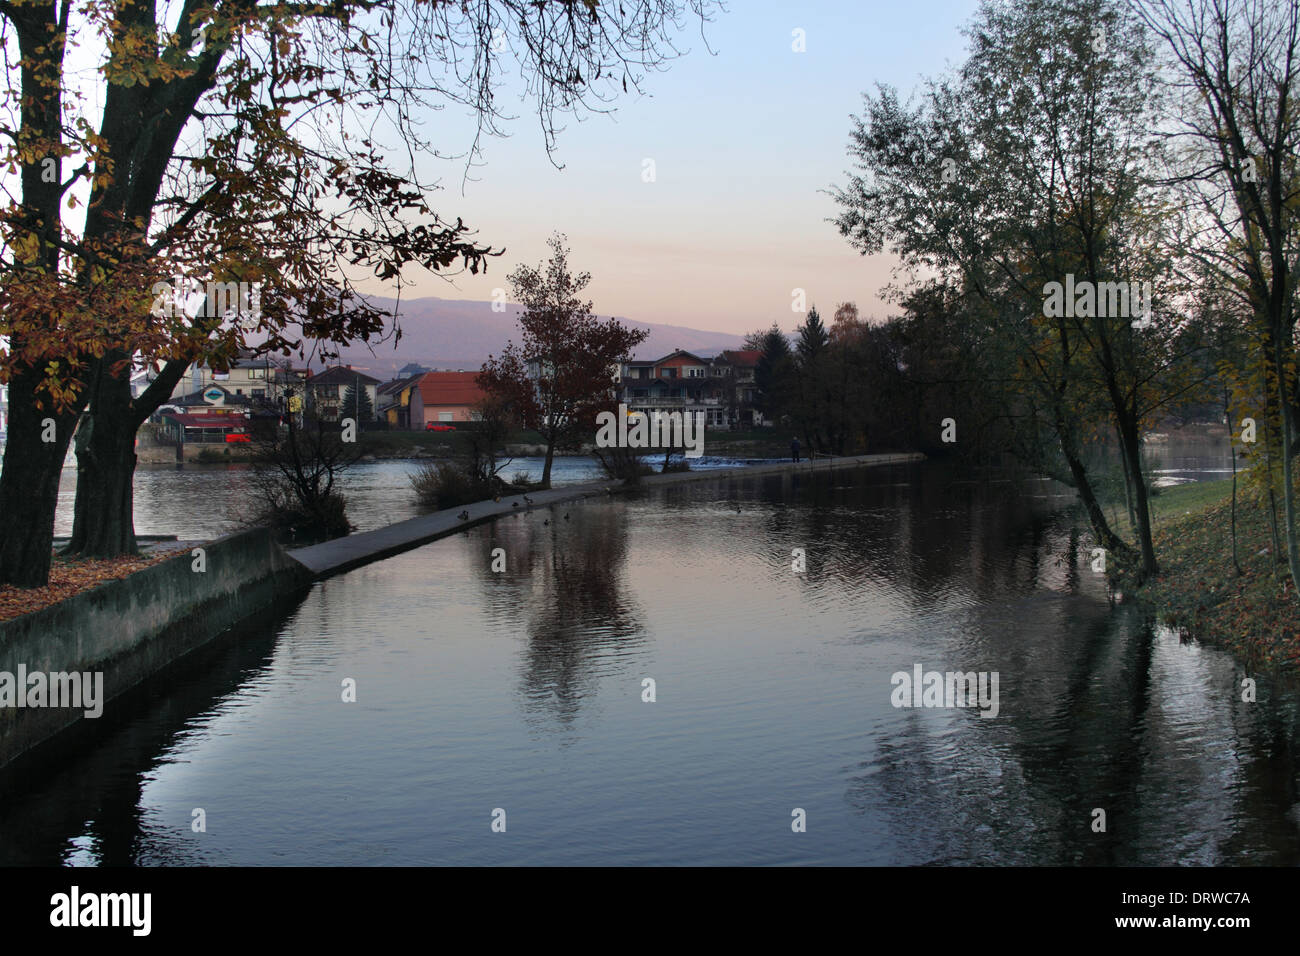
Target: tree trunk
x=1288, y=487
x=550, y=457
x=1232, y=450
x=1141, y=501
x=1083, y=487
x=104, y=513
x=29, y=483
x=103, y=522
x=1128, y=478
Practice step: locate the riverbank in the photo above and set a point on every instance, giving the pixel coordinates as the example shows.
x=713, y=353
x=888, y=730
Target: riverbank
x=1199, y=592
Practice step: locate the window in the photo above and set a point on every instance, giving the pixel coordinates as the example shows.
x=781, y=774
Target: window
x=257, y=373
x=445, y=417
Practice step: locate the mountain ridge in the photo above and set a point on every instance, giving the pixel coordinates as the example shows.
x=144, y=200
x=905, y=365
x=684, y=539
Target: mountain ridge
x=459, y=334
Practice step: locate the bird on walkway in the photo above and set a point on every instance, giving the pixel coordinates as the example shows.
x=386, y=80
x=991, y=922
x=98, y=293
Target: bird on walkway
x=514, y=504
x=497, y=498
x=566, y=516
x=528, y=500
x=737, y=509
x=463, y=516
x=546, y=522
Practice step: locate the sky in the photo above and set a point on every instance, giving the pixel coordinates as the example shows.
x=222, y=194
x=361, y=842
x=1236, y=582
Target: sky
x=743, y=142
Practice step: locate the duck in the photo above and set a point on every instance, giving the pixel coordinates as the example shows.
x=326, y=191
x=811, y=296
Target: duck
x=514, y=504
x=464, y=515
x=546, y=522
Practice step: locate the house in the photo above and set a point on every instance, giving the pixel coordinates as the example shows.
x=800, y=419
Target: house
x=204, y=428
x=214, y=397
x=393, y=401
x=444, y=397
x=734, y=371
x=261, y=380
x=722, y=388
x=326, y=391
x=678, y=382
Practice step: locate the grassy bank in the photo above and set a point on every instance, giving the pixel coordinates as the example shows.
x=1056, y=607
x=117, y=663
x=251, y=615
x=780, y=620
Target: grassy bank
x=1199, y=591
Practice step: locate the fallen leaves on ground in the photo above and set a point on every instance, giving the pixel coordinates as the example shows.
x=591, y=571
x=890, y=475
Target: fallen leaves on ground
x=1200, y=593
x=69, y=577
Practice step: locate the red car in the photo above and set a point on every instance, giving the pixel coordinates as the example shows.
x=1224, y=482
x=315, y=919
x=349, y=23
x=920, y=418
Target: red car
x=436, y=427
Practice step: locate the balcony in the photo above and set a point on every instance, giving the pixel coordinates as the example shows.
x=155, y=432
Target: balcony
x=653, y=402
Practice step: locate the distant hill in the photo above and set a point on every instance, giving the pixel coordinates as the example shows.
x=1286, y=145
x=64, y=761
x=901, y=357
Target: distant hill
x=458, y=334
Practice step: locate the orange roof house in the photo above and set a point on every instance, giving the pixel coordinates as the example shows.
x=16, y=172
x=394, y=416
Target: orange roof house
x=444, y=397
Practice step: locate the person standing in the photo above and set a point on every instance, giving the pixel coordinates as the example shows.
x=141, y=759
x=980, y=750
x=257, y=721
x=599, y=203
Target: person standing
x=794, y=449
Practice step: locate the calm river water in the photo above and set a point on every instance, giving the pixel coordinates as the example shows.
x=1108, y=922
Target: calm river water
x=522, y=691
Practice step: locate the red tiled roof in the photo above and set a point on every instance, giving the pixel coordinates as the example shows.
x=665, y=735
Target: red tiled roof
x=742, y=357
x=450, y=388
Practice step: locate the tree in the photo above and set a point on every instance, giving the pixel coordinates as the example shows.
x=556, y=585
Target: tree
x=1030, y=164
x=495, y=418
x=218, y=156
x=356, y=405
x=295, y=474
x=1240, y=133
x=773, y=376
x=561, y=374
x=813, y=402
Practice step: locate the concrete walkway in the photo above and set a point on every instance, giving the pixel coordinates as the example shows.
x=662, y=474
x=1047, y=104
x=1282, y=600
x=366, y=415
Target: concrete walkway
x=354, y=550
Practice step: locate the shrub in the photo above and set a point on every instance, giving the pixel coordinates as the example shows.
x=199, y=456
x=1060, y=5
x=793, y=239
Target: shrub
x=622, y=464
x=295, y=471
x=446, y=485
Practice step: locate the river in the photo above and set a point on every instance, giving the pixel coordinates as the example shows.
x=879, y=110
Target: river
x=774, y=695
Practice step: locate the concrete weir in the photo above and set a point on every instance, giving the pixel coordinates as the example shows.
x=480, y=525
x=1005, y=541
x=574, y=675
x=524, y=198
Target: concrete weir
x=343, y=554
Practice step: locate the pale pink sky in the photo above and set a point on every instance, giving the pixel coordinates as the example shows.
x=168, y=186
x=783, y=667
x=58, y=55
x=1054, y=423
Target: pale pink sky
x=742, y=143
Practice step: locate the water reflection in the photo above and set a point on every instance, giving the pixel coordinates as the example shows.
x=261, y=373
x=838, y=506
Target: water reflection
x=564, y=586
x=80, y=802
x=521, y=689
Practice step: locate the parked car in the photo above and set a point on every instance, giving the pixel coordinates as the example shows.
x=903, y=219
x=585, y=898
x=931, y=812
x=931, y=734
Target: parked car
x=438, y=427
